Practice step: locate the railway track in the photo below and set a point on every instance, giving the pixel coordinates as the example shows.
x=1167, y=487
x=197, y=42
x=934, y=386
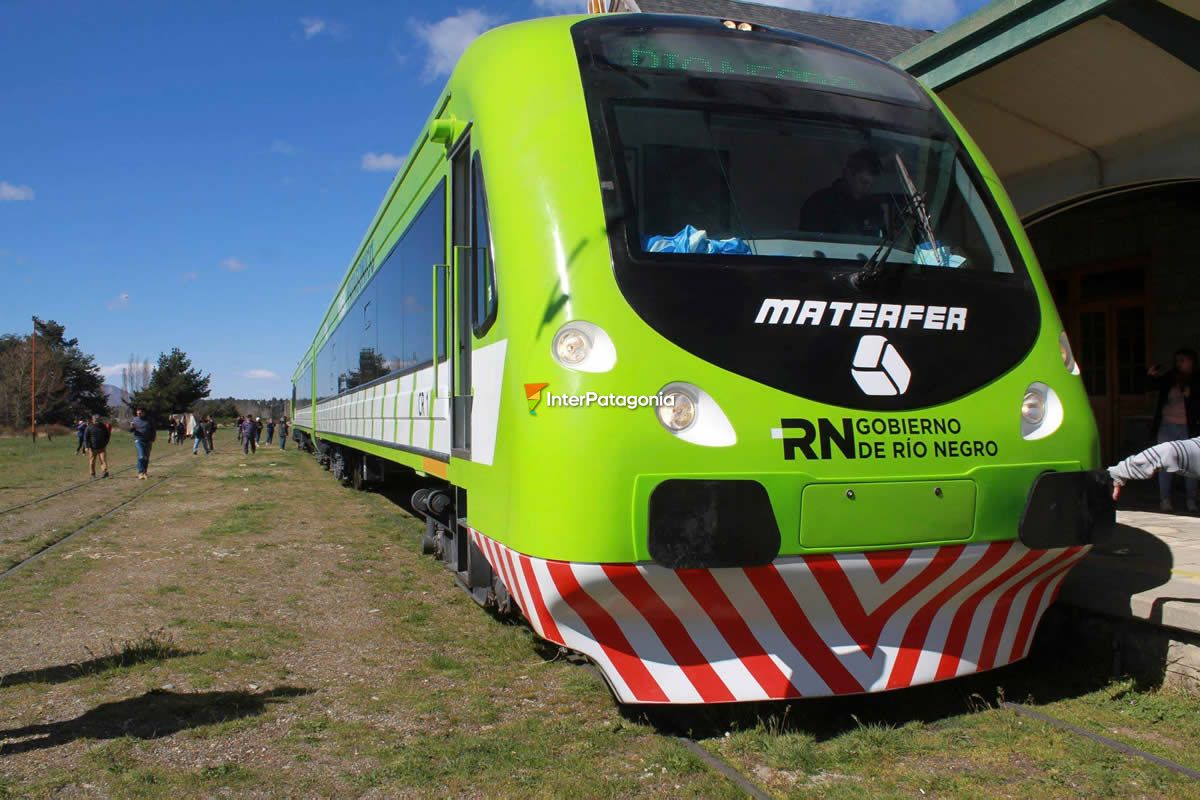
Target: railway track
x=75, y=486
x=753, y=790
x=1111, y=744
x=58, y=541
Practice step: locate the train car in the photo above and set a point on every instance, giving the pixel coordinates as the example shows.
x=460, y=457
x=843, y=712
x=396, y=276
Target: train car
x=720, y=355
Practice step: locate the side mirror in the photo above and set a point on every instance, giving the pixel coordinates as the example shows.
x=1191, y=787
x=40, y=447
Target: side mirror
x=446, y=130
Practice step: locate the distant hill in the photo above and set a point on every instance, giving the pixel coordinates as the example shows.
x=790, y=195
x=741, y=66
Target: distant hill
x=116, y=397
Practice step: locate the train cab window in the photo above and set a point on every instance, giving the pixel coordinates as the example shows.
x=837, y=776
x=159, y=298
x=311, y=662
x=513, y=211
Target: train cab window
x=483, y=303
x=749, y=184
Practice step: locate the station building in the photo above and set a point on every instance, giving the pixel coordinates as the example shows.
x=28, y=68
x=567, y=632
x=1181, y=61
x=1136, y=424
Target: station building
x=1089, y=110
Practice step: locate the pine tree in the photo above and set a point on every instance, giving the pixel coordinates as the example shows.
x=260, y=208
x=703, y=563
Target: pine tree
x=174, y=387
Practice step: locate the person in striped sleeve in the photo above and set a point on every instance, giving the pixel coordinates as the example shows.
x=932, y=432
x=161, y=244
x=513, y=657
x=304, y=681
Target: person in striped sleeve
x=1180, y=456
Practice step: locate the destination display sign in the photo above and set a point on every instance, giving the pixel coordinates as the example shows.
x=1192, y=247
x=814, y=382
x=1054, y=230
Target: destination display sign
x=744, y=56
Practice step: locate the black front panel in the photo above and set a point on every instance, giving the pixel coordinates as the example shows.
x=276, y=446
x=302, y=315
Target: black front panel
x=711, y=312
x=1067, y=509
x=697, y=524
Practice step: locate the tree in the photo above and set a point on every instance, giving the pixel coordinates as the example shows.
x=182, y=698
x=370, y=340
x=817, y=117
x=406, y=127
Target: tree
x=135, y=376
x=174, y=386
x=82, y=383
x=219, y=408
x=69, y=384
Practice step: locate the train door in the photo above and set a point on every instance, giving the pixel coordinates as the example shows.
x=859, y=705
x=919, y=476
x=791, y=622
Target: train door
x=460, y=377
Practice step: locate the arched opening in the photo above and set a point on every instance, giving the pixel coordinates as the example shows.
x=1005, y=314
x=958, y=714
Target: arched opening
x=1124, y=268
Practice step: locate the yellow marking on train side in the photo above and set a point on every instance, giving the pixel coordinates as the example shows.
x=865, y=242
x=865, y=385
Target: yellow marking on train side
x=435, y=467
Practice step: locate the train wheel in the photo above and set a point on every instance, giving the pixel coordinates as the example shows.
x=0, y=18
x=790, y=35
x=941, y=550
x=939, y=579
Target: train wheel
x=338, y=466
x=505, y=607
x=358, y=473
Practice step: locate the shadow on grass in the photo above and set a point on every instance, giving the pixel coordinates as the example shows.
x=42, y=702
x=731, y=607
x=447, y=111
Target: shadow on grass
x=1061, y=665
x=149, y=648
x=152, y=715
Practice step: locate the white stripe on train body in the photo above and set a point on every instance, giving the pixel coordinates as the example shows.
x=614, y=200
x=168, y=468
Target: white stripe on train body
x=746, y=633
x=387, y=413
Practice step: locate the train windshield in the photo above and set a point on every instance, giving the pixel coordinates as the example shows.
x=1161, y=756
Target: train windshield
x=701, y=182
x=726, y=145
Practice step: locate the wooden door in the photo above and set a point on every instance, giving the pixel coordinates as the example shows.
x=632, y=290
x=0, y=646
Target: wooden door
x=1113, y=356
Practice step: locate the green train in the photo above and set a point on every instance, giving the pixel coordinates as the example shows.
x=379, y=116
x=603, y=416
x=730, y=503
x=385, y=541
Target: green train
x=720, y=355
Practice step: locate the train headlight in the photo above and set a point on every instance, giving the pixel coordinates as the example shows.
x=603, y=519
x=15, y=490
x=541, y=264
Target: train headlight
x=1041, y=412
x=691, y=414
x=1033, y=407
x=1068, y=357
x=677, y=411
x=584, y=347
x=571, y=346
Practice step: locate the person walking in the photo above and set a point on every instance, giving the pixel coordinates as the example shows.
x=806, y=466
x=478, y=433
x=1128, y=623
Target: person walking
x=199, y=438
x=143, y=440
x=210, y=428
x=96, y=436
x=283, y=433
x=80, y=431
x=249, y=433
x=1177, y=417
x=241, y=426
x=258, y=430
x=270, y=431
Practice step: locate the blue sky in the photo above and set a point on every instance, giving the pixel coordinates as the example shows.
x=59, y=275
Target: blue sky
x=197, y=174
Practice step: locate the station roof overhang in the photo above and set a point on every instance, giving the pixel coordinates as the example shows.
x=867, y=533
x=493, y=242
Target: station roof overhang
x=1071, y=98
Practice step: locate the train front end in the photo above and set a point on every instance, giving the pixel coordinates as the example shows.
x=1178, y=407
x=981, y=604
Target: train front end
x=854, y=452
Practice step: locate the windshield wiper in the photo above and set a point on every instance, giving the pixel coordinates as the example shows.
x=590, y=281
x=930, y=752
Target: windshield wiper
x=916, y=202
x=914, y=210
x=872, y=268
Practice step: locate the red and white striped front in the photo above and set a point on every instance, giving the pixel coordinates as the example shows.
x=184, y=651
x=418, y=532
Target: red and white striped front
x=803, y=626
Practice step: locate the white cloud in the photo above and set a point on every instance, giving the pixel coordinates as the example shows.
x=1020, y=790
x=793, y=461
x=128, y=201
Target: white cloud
x=313, y=26
x=119, y=303
x=448, y=38
x=283, y=148
x=234, y=265
x=14, y=193
x=382, y=162
x=110, y=371
x=260, y=375
x=562, y=6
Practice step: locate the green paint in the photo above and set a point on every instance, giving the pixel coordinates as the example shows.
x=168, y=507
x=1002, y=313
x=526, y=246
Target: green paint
x=994, y=33
x=574, y=483
x=891, y=514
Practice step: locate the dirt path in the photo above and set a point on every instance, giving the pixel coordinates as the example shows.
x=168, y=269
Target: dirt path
x=253, y=629
x=282, y=636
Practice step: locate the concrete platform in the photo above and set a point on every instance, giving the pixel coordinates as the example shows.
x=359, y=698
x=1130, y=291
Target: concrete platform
x=1146, y=572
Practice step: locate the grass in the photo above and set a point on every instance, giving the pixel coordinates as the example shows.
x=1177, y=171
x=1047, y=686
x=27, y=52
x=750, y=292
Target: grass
x=243, y=518
x=190, y=614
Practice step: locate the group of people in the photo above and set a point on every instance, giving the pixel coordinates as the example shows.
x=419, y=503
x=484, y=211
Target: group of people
x=94, y=435
x=201, y=433
x=250, y=432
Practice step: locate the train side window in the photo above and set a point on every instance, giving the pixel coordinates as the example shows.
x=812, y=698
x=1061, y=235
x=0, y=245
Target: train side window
x=483, y=304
